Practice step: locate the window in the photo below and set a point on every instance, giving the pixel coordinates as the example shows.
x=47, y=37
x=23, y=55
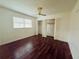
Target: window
x=21, y=23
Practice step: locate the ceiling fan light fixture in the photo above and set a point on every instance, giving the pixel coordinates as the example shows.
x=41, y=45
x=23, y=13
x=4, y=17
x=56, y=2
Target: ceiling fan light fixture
x=40, y=11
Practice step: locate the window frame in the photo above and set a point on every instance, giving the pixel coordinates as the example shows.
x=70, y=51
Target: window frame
x=21, y=22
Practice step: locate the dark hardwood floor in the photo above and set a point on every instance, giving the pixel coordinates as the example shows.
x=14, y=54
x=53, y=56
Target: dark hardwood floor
x=36, y=47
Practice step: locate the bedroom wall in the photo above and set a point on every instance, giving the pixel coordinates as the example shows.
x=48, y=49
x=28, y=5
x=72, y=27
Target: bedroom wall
x=7, y=32
x=67, y=29
x=61, y=28
x=74, y=31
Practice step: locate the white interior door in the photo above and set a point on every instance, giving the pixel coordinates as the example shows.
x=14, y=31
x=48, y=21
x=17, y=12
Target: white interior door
x=50, y=29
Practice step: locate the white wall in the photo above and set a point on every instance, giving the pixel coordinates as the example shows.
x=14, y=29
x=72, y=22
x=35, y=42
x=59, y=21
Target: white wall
x=74, y=31
x=67, y=29
x=62, y=26
x=7, y=32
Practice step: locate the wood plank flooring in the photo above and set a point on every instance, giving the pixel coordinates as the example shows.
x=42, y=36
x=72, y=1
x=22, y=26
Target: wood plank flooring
x=36, y=47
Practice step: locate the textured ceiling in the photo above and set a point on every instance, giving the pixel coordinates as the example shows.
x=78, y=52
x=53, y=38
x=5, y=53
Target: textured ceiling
x=29, y=7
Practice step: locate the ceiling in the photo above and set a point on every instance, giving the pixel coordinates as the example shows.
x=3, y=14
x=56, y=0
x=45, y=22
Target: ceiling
x=29, y=7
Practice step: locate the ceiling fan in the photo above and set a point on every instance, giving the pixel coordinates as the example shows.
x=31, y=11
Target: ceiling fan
x=40, y=11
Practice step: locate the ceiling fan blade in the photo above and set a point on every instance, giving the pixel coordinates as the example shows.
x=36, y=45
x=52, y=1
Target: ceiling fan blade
x=43, y=14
